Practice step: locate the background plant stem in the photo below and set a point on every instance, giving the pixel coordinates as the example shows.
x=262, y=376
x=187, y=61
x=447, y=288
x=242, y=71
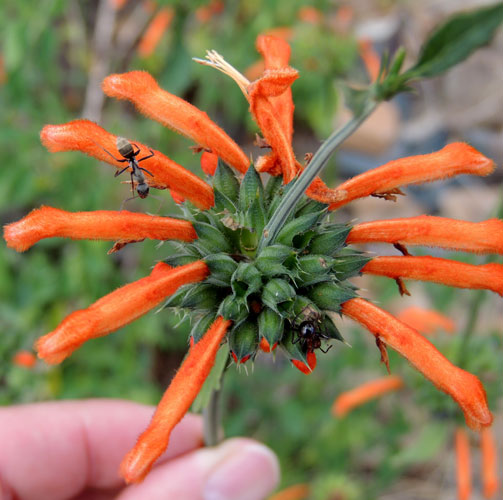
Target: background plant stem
x=212, y=416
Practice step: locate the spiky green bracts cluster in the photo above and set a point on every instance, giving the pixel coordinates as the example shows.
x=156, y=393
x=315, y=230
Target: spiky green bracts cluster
x=266, y=293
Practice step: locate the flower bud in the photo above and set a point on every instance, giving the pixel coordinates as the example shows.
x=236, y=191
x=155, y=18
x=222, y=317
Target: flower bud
x=243, y=341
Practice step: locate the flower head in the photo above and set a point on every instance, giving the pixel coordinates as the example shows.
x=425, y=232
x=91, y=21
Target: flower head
x=240, y=292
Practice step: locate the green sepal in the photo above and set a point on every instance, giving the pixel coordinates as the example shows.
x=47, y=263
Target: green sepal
x=180, y=259
x=270, y=326
x=210, y=239
x=280, y=194
x=308, y=206
x=176, y=299
x=302, y=305
x=233, y=308
x=270, y=260
x=254, y=217
x=225, y=181
x=201, y=296
x=315, y=264
x=293, y=350
x=243, y=340
x=346, y=266
x=329, y=328
x=246, y=279
x=201, y=326
x=222, y=267
x=297, y=226
x=330, y=241
x=272, y=187
x=330, y=296
x=222, y=202
x=277, y=291
x=251, y=188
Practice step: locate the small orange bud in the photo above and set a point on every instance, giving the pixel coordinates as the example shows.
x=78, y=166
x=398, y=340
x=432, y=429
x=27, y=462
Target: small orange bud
x=209, y=162
x=25, y=359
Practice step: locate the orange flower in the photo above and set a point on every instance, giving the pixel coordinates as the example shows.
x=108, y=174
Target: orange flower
x=90, y=138
x=25, y=359
x=175, y=403
x=454, y=159
x=463, y=387
x=349, y=400
x=209, y=162
x=477, y=237
x=144, y=92
x=425, y=321
x=464, y=468
x=489, y=463
x=295, y=492
x=310, y=15
x=448, y=272
x=155, y=30
x=49, y=222
x=370, y=58
x=117, y=309
x=308, y=368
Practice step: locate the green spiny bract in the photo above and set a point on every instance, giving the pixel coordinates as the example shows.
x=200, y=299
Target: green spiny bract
x=266, y=294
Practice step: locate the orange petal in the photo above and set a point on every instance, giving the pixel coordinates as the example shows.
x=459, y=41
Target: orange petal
x=265, y=346
x=49, y=222
x=311, y=363
x=463, y=465
x=25, y=359
x=156, y=28
x=143, y=91
x=90, y=138
x=370, y=58
x=295, y=492
x=349, y=400
x=426, y=321
x=209, y=162
x=463, y=387
x=117, y=309
x=175, y=403
x=477, y=237
x=445, y=271
x=310, y=15
x=489, y=462
x=454, y=159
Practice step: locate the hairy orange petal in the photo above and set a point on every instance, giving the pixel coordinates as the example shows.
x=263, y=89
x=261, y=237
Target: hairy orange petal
x=445, y=271
x=156, y=28
x=463, y=465
x=454, y=159
x=90, y=138
x=349, y=400
x=426, y=321
x=477, y=237
x=295, y=492
x=463, y=387
x=370, y=58
x=117, y=309
x=25, y=359
x=143, y=91
x=175, y=403
x=311, y=363
x=209, y=162
x=49, y=222
x=489, y=463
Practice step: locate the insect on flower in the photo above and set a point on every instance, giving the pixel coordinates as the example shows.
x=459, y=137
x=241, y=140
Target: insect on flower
x=309, y=332
x=129, y=155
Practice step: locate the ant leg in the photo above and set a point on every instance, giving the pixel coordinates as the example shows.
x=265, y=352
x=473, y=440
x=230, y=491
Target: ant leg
x=110, y=154
x=145, y=170
x=296, y=340
x=137, y=152
x=118, y=172
x=146, y=157
x=324, y=351
x=132, y=183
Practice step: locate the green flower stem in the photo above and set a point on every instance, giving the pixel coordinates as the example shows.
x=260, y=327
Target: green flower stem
x=316, y=165
x=212, y=417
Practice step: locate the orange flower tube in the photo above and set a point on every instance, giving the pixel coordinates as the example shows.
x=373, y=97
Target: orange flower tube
x=143, y=91
x=463, y=465
x=155, y=30
x=437, y=270
x=294, y=492
x=426, y=321
x=477, y=237
x=176, y=401
x=90, y=138
x=117, y=309
x=463, y=387
x=209, y=163
x=489, y=463
x=370, y=58
x=349, y=400
x=454, y=159
x=49, y=222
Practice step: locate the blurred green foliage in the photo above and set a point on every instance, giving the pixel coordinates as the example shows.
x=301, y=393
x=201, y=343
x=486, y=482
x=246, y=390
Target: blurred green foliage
x=46, y=49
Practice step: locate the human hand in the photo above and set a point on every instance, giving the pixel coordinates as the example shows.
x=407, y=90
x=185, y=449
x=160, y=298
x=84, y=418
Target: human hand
x=72, y=450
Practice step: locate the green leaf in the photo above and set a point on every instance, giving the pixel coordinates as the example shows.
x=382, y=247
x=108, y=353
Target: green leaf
x=225, y=181
x=346, y=266
x=455, y=40
x=330, y=241
x=251, y=189
x=330, y=296
x=272, y=187
x=223, y=202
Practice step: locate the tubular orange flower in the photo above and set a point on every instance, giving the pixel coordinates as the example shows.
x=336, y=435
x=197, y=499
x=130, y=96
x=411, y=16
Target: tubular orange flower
x=454, y=159
x=463, y=387
x=295, y=492
x=370, y=58
x=349, y=400
x=49, y=222
x=155, y=30
x=448, y=272
x=463, y=465
x=117, y=309
x=90, y=138
x=209, y=162
x=25, y=359
x=175, y=403
x=143, y=91
x=425, y=321
x=489, y=463
x=477, y=237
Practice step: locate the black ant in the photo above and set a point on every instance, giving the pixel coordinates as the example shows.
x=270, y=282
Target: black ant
x=129, y=155
x=309, y=332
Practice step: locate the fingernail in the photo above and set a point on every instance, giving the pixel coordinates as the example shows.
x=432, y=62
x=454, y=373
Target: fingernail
x=248, y=471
